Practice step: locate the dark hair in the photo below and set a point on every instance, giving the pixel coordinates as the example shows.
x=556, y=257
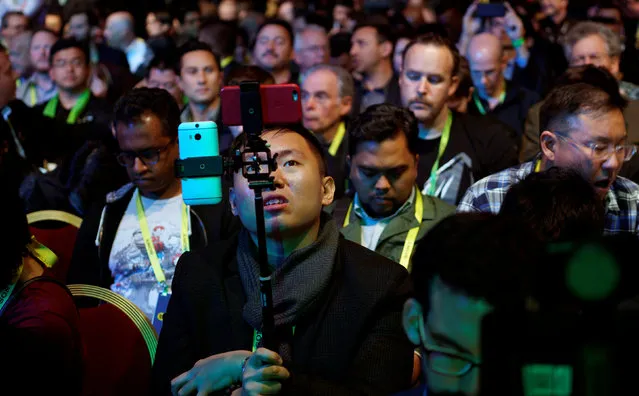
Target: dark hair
x=14, y=221
x=437, y=41
x=185, y=9
x=192, y=46
x=9, y=14
x=248, y=73
x=380, y=122
x=278, y=22
x=81, y=8
x=163, y=16
x=240, y=141
x=162, y=46
x=465, y=80
x=381, y=25
x=593, y=75
x=67, y=43
x=564, y=103
x=557, y=204
x=340, y=43
x=160, y=63
x=481, y=255
x=221, y=36
x=139, y=101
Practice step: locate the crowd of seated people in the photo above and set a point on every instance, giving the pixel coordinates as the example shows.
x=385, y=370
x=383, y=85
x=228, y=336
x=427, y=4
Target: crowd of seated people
x=455, y=164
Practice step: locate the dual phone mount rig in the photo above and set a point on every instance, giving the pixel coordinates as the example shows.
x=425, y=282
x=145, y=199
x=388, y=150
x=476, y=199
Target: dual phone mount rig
x=255, y=155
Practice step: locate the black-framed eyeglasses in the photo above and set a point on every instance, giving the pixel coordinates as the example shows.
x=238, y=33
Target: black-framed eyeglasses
x=601, y=151
x=449, y=362
x=149, y=157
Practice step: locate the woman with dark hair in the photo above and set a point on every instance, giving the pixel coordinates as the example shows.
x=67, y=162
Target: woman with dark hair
x=39, y=335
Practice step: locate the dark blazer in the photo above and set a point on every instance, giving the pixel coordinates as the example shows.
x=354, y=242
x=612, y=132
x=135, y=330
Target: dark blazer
x=352, y=345
x=90, y=263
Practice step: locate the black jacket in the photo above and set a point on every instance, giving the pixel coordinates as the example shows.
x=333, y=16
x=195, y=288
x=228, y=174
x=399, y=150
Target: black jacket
x=352, y=345
x=90, y=261
x=392, y=93
x=513, y=111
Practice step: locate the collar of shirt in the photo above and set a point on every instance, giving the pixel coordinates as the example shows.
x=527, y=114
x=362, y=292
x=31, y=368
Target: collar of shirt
x=368, y=220
x=187, y=116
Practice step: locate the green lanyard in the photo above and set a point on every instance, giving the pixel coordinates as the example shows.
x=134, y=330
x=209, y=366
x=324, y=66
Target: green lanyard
x=148, y=240
x=442, y=147
x=5, y=293
x=52, y=106
x=33, y=96
x=481, y=107
x=337, y=140
x=411, y=237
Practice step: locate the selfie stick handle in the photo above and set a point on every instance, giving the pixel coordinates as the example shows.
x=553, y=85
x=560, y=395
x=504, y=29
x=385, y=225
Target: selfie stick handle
x=251, y=107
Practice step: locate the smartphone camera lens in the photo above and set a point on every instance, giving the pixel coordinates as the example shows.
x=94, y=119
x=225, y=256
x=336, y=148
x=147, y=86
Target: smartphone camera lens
x=295, y=96
x=197, y=125
x=198, y=136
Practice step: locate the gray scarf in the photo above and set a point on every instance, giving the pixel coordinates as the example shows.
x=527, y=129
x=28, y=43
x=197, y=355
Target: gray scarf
x=298, y=284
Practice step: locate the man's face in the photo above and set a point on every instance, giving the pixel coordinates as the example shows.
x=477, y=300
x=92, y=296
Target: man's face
x=550, y=8
x=200, y=77
x=591, y=50
x=79, y=27
x=398, y=53
x=314, y=49
x=153, y=26
x=366, y=50
x=147, y=134
x=15, y=24
x=294, y=205
x=167, y=80
x=19, y=54
x=115, y=31
x=383, y=174
x=191, y=25
x=426, y=82
x=40, y=49
x=340, y=14
x=322, y=106
x=454, y=322
x=606, y=129
x=69, y=69
x=487, y=71
x=273, y=48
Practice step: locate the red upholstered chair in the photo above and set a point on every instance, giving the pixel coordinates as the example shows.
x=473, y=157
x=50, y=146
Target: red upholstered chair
x=57, y=230
x=119, y=344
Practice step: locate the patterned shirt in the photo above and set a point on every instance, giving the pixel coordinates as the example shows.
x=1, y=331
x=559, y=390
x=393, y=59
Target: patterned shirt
x=620, y=203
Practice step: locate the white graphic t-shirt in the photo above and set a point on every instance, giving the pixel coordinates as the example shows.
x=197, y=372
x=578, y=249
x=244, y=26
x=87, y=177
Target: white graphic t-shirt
x=129, y=263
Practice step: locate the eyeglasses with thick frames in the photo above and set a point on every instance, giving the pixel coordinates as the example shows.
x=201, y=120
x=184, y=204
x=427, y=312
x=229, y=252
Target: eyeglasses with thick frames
x=149, y=157
x=601, y=151
x=448, y=362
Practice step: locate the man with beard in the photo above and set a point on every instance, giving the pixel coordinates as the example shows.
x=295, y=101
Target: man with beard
x=38, y=88
x=454, y=149
x=582, y=128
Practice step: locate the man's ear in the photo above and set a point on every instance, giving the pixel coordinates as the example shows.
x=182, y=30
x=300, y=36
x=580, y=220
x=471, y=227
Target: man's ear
x=347, y=105
x=328, y=190
x=453, y=86
x=548, y=144
x=386, y=49
x=614, y=66
x=413, y=321
x=232, y=201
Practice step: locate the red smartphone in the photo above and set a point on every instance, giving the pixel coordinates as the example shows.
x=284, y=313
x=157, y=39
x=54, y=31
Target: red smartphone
x=281, y=104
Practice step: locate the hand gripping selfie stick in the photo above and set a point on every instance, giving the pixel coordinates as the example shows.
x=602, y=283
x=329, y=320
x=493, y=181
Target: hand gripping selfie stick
x=256, y=163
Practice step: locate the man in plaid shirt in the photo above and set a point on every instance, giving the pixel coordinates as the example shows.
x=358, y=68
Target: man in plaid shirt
x=582, y=127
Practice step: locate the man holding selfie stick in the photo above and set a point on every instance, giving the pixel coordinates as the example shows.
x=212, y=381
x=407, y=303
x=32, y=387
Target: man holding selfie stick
x=211, y=340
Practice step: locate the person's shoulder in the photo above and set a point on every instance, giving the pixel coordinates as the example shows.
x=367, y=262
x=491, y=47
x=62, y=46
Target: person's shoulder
x=368, y=270
x=120, y=193
x=437, y=207
x=487, y=194
x=626, y=188
x=215, y=255
x=481, y=127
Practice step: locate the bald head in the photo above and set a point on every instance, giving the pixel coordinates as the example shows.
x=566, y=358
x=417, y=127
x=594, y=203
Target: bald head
x=482, y=46
x=487, y=64
x=119, y=30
